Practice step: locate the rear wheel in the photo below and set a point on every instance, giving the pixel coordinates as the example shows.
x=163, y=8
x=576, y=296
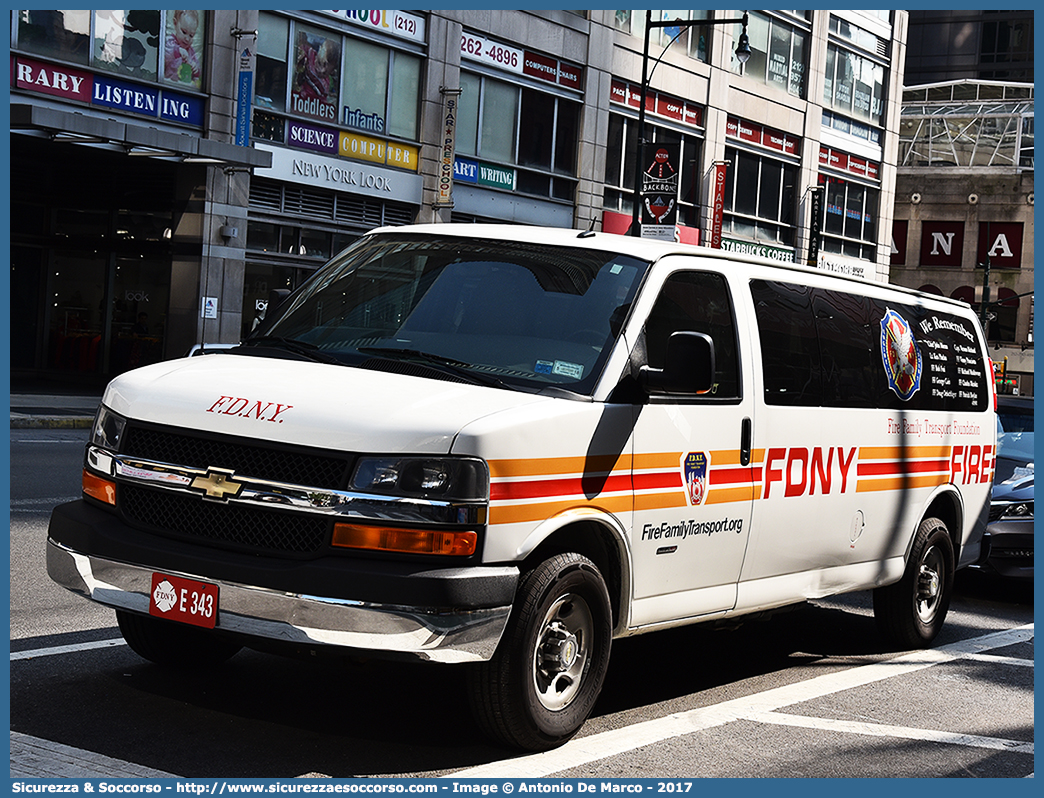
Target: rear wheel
x=173, y=644
x=911, y=612
x=542, y=682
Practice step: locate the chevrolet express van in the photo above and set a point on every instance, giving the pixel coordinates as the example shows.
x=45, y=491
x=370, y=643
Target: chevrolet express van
x=506, y=447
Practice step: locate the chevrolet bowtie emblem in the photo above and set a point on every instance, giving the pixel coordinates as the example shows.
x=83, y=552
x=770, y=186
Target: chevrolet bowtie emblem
x=217, y=484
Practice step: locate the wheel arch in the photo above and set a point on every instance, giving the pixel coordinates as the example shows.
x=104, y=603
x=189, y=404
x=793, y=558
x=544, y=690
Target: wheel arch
x=948, y=507
x=596, y=537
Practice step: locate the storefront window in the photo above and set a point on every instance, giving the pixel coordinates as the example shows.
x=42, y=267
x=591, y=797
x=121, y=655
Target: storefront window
x=145, y=45
x=62, y=35
x=488, y=128
x=759, y=197
x=127, y=42
x=854, y=85
x=273, y=36
x=138, y=315
x=315, y=86
x=688, y=39
x=183, y=48
x=849, y=218
x=622, y=145
x=339, y=80
x=778, y=52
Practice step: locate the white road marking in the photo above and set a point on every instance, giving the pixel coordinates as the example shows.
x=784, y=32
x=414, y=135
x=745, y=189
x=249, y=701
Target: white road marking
x=884, y=730
x=585, y=750
x=70, y=649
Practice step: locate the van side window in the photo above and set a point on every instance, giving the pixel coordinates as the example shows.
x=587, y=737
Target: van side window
x=849, y=342
x=697, y=302
x=789, y=346
x=835, y=349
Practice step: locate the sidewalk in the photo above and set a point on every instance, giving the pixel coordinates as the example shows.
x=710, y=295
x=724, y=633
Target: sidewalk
x=44, y=411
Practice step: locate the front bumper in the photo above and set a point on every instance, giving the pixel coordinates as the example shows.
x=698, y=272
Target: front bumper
x=444, y=615
x=1007, y=549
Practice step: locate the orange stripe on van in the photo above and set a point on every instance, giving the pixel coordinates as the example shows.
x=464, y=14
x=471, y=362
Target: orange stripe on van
x=903, y=452
x=553, y=466
x=902, y=483
x=539, y=511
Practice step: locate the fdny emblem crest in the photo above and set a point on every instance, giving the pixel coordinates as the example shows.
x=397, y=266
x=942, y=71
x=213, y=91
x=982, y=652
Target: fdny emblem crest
x=900, y=355
x=695, y=473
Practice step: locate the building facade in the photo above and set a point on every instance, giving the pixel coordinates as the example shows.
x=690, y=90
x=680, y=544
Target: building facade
x=170, y=169
x=964, y=209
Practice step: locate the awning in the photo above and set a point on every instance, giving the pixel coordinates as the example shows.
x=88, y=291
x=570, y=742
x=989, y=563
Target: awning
x=79, y=128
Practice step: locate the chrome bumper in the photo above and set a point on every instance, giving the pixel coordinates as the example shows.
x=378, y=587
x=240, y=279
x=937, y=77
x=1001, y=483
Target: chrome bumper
x=429, y=634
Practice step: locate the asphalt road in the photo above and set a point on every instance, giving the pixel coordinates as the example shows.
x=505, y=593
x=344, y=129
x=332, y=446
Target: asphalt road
x=808, y=693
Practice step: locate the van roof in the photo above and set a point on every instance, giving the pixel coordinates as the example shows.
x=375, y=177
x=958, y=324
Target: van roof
x=642, y=248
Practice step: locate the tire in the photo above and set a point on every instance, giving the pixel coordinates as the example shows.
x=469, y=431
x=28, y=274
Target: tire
x=911, y=612
x=542, y=682
x=174, y=645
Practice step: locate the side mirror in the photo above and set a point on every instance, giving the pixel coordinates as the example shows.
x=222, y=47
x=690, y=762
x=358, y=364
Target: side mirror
x=688, y=369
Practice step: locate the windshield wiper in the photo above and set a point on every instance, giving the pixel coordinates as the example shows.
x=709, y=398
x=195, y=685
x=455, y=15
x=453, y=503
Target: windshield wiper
x=456, y=367
x=302, y=348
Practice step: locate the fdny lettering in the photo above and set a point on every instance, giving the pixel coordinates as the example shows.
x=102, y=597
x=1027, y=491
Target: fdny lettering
x=248, y=408
x=803, y=470
x=971, y=464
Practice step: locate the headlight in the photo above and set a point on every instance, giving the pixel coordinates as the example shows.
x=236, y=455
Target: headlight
x=107, y=429
x=443, y=478
x=1018, y=510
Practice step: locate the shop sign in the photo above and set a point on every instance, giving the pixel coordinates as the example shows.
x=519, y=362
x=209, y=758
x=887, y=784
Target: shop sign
x=311, y=137
x=465, y=170
x=338, y=175
x=942, y=243
x=72, y=84
x=395, y=23
x=848, y=267
x=447, y=167
x=496, y=176
x=99, y=90
x=761, y=136
x=899, y=234
x=125, y=96
x=371, y=123
x=1001, y=242
x=852, y=164
x=366, y=148
x=781, y=254
x=521, y=62
x=657, y=103
x=181, y=108
x=718, y=208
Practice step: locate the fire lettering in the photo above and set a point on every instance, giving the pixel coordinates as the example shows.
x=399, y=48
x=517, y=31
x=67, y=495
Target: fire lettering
x=971, y=464
x=802, y=471
x=241, y=407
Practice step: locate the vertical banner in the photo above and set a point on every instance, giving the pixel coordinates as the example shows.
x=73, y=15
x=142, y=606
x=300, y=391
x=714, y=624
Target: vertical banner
x=659, y=199
x=450, y=104
x=245, y=96
x=815, y=211
x=717, y=203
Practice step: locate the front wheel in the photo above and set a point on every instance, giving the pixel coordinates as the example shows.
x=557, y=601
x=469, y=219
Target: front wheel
x=542, y=682
x=911, y=612
x=172, y=644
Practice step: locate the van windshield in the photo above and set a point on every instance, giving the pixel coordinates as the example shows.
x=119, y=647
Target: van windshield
x=518, y=315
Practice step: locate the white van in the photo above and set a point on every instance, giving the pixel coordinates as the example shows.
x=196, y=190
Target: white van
x=507, y=446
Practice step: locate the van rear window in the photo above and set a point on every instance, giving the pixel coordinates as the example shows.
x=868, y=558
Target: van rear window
x=823, y=348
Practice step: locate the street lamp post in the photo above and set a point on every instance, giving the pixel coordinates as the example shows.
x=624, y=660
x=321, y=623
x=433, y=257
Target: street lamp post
x=742, y=55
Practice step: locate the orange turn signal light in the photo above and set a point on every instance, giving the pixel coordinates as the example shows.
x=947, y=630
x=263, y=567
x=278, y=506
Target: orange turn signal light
x=97, y=488
x=409, y=541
